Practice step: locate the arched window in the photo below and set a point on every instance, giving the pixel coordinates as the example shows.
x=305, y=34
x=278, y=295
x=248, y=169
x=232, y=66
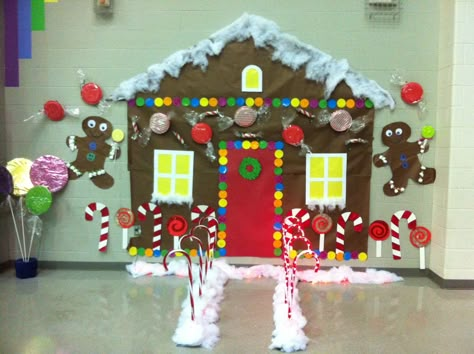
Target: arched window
x=252, y=79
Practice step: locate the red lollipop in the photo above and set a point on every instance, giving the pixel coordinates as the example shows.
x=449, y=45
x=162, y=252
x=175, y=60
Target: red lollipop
x=412, y=92
x=322, y=224
x=91, y=93
x=420, y=236
x=201, y=133
x=293, y=135
x=177, y=225
x=379, y=230
x=126, y=219
x=54, y=110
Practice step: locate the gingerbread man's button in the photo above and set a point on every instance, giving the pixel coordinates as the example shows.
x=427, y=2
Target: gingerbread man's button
x=92, y=146
x=90, y=156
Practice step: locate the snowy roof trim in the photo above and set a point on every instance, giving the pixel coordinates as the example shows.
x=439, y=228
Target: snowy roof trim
x=287, y=50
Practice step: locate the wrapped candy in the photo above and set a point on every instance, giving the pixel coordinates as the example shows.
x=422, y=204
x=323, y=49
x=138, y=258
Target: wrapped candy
x=91, y=93
x=322, y=119
x=340, y=121
x=244, y=117
x=55, y=111
x=247, y=135
x=293, y=134
x=159, y=124
x=135, y=127
x=359, y=124
x=411, y=92
x=201, y=133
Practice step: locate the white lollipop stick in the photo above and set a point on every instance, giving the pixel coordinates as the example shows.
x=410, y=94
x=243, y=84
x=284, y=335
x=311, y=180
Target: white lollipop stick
x=378, y=249
x=321, y=242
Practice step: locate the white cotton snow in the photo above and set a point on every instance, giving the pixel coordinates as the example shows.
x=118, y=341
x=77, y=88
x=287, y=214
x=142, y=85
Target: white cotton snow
x=284, y=48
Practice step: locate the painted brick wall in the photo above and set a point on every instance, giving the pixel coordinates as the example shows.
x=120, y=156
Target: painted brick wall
x=144, y=32
x=453, y=208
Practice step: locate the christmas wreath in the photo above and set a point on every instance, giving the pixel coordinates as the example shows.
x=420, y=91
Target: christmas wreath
x=250, y=168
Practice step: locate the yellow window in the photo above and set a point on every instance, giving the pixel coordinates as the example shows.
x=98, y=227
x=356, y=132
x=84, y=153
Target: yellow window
x=316, y=169
x=164, y=186
x=252, y=79
x=335, y=168
x=182, y=186
x=182, y=164
x=164, y=163
x=335, y=190
x=316, y=190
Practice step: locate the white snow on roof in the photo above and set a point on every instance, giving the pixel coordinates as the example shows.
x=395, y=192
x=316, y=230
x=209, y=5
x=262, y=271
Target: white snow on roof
x=287, y=49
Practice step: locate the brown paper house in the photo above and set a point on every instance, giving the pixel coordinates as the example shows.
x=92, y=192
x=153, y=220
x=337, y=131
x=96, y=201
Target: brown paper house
x=252, y=183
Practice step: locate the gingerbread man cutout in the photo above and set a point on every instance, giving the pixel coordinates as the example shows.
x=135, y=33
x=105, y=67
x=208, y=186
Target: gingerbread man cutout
x=92, y=152
x=402, y=157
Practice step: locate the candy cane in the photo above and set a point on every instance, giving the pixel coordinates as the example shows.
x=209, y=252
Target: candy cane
x=190, y=275
x=209, y=214
x=201, y=267
x=293, y=278
x=395, y=230
x=305, y=113
x=291, y=228
x=157, y=218
x=341, y=228
x=301, y=214
x=104, y=226
x=208, y=255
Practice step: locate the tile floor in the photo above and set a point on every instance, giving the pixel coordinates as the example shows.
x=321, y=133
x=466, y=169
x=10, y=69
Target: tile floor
x=70, y=311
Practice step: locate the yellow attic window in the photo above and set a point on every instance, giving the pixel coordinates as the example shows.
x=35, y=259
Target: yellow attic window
x=252, y=79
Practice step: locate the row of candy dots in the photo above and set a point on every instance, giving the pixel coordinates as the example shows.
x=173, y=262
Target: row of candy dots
x=346, y=256
x=250, y=102
x=278, y=198
x=148, y=252
x=222, y=209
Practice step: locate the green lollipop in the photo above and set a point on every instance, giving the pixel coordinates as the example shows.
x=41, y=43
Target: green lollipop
x=38, y=200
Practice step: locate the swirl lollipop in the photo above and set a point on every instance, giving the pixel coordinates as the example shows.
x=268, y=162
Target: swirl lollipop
x=321, y=224
x=420, y=237
x=177, y=226
x=379, y=231
x=125, y=219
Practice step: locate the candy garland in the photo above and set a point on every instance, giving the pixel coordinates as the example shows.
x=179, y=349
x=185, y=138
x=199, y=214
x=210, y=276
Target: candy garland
x=190, y=275
x=395, y=230
x=104, y=227
x=157, y=220
x=341, y=229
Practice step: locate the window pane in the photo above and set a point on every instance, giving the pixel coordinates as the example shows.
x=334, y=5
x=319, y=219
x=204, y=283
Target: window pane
x=335, y=190
x=335, y=169
x=182, y=164
x=164, y=163
x=182, y=186
x=316, y=190
x=316, y=169
x=164, y=186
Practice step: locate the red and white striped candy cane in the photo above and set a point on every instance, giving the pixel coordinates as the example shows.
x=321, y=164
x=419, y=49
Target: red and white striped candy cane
x=201, y=265
x=341, y=228
x=190, y=275
x=305, y=113
x=157, y=219
x=207, y=254
x=293, y=278
x=291, y=228
x=201, y=213
x=301, y=214
x=395, y=230
x=104, y=226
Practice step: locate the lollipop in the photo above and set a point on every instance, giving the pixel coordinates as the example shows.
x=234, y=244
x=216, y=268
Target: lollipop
x=20, y=171
x=321, y=224
x=420, y=237
x=125, y=219
x=38, y=200
x=6, y=183
x=177, y=226
x=379, y=231
x=49, y=171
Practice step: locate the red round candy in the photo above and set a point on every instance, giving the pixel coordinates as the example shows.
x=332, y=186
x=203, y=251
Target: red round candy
x=91, y=93
x=54, y=110
x=293, y=135
x=177, y=225
x=420, y=236
x=201, y=133
x=412, y=92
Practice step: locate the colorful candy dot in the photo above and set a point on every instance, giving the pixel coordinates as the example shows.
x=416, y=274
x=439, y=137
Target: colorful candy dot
x=222, y=203
x=276, y=102
x=167, y=101
x=277, y=235
x=363, y=256
x=249, y=102
x=240, y=101
x=278, y=195
x=277, y=203
x=277, y=252
x=293, y=254
x=238, y=144
x=133, y=251
x=279, y=154
x=323, y=104
x=221, y=211
x=285, y=102
x=223, y=160
x=263, y=144
x=347, y=256
x=279, y=186
x=222, y=186
x=149, y=252
x=221, y=235
x=277, y=244
x=195, y=102
x=369, y=104
x=331, y=255
x=254, y=145
x=213, y=102
x=246, y=145
x=140, y=101
x=278, y=211
x=222, y=252
x=177, y=101
x=185, y=101
x=222, y=227
x=304, y=103
x=350, y=103
x=314, y=103
x=157, y=253
x=141, y=251
x=339, y=256
x=231, y=101
x=278, y=171
x=222, y=145
x=259, y=102
x=149, y=102
x=204, y=102
x=158, y=102
x=341, y=103
x=279, y=145
x=332, y=103
x=295, y=102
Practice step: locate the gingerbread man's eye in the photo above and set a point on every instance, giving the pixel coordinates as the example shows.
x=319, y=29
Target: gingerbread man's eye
x=103, y=127
x=388, y=133
x=91, y=123
x=399, y=131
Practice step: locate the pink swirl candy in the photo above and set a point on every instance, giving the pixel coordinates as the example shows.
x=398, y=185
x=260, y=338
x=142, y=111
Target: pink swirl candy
x=49, y=171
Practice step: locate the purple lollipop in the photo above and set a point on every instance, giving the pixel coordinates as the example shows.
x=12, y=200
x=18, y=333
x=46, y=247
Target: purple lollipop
x=49, y=171
x=6, y=183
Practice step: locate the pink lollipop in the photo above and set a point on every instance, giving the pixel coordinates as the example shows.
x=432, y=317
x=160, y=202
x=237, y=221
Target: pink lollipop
x=49, y=171
x=321, y=224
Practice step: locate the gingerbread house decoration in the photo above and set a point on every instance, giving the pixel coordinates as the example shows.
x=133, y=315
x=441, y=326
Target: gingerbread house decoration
x=260, y=124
